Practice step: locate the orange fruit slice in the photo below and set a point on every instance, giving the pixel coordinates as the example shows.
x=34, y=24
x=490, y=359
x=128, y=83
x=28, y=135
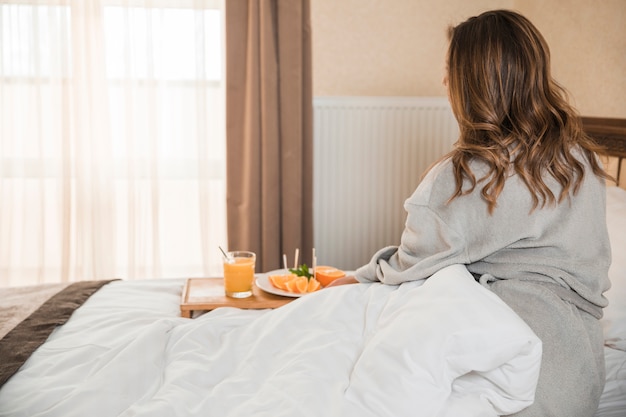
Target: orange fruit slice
x=327, y=274
x=293, y=283
x=296, y=284
x=280, y=281
x=313, y=285
x=302, y=283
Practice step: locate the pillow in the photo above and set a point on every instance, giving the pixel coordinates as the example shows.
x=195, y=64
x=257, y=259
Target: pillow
x=614, y=320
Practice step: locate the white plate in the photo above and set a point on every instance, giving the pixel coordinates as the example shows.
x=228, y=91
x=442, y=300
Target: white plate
x=263, y=282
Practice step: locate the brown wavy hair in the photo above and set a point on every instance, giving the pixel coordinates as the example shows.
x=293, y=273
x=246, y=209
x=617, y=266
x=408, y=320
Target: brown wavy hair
x=512, y=115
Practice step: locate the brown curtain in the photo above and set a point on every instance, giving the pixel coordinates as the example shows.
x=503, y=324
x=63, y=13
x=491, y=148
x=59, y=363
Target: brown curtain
x=269, y=129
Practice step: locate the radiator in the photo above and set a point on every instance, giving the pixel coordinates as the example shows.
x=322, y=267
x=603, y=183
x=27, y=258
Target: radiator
x=369, y=156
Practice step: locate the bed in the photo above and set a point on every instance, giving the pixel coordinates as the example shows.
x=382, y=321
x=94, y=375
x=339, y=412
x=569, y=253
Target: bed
x=445, y=346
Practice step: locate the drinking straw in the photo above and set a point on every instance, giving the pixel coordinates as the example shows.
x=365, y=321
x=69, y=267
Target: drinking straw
x=295, y=261
x=285, y=261
x=224, y=253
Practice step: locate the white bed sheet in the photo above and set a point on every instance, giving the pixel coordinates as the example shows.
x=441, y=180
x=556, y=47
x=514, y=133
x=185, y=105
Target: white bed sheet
x=613, y=401
x=361, y=350
x=614, y=320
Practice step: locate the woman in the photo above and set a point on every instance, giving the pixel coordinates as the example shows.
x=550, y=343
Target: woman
x=521, y=202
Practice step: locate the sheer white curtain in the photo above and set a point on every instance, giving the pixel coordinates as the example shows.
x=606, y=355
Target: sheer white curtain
x=112, y=149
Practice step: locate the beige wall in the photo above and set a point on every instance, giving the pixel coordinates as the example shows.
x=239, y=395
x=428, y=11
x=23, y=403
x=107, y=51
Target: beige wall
x=397, y=47
x=587, y=40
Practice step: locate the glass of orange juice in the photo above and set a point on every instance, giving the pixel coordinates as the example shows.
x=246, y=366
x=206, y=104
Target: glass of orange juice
x=239, y=273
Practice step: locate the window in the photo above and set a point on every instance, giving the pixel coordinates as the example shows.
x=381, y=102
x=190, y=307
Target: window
x=112, y=150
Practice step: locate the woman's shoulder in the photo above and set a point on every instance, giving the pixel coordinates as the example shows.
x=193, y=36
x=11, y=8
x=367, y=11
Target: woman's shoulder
x=438, y=183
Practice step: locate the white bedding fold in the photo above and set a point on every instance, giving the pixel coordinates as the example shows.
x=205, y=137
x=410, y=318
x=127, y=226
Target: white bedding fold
x=448, y=347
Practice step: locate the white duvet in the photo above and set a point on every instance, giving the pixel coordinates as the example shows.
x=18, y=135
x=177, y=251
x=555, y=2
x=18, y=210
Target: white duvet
x=443, y=347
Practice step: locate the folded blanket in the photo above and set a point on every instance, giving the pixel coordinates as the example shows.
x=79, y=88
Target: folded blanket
x=441, y=347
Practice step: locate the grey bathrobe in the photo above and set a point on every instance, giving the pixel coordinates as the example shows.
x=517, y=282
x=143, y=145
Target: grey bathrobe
x=549, y=264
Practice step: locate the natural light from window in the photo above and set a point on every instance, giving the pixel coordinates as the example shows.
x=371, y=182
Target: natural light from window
x=112, y=143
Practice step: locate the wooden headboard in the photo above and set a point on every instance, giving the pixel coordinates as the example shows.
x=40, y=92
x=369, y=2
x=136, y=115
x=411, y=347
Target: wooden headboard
x=611, y=135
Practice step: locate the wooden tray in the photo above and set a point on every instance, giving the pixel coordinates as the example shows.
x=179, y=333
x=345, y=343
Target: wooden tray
x=203, y=294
